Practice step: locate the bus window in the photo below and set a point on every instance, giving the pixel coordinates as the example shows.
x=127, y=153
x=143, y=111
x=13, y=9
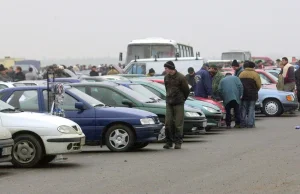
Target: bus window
x=137, y=68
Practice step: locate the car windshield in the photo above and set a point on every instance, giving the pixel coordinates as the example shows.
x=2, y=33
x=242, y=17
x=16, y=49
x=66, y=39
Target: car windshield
x=264, y=82
x=4, y=106
x=142, y=90
x=272, y=76
x=134, y=94
x=90, y=100
x=161, y=86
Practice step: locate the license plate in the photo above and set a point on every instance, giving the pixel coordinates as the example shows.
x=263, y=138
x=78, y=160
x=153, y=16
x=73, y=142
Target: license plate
x=6, y=151
x=82, y=141
x=204, y=124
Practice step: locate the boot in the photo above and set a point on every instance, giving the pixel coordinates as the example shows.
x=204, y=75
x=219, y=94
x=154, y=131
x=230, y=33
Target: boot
x=177, y=146
x=168, y=145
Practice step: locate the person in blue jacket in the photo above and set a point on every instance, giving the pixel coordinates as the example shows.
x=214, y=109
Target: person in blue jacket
x=203, y=87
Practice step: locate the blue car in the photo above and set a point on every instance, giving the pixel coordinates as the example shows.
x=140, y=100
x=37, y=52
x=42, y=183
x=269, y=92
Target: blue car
x=120, y=129
x=275, y=103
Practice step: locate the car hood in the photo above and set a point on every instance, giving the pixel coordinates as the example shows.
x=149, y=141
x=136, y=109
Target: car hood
x=33, y=120
x=274, y=92
x=120, y=112
x=4, y=133
x=200, y=104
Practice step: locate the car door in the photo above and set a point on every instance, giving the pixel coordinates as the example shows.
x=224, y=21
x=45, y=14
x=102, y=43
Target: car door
x=84, y=118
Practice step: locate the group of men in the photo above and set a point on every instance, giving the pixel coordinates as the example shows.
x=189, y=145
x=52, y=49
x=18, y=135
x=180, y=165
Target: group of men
x=238, y=91
x=11, y=75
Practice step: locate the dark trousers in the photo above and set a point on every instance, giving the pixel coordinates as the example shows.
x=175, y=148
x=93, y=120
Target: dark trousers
x=233, y=104
x=174, y=123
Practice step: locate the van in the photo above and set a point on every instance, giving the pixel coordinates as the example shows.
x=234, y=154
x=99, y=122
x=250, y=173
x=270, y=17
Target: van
x=142, y=66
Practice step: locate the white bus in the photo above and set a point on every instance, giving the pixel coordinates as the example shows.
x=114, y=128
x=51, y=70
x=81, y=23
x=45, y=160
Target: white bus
x=157, y=47
x=237, y=55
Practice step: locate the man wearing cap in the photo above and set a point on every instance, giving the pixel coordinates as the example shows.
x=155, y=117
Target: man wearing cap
x=217, y=76
x=203, y=87
x=3, y=75
x=177, y=92
x=94, y=71
x=151, y=72
x=237, y=68
x=190, y=78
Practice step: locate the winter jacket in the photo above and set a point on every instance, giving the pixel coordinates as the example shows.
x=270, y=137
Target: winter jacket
x=5, y=78
x=230, y=88
x=215, y=84
x=177, y=89
x=238, y=71
x=252, y=84
x=112, y=72
x=288, y=73
x=191, y=80
x=19, y=77
x=31, y=76
x=203, y=87
x=94, y=73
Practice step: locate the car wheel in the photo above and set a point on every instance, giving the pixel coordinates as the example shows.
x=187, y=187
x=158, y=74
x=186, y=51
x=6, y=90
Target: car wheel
x=272, y=107
x=140, y=145
x=27, y=151
x=47, y=159
x=119, y=138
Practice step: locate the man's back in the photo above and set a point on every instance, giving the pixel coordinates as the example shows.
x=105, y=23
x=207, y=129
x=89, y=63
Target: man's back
x=252, y=84
x=30, y=76
x=203, y=87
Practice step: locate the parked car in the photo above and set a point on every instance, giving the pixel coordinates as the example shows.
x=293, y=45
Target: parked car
x=275, y=103
x=102, y=78
x=117, y=95
x=38, y=137
x=213, y=113
x=120, y=129
x=267, y=76
x=6, y=144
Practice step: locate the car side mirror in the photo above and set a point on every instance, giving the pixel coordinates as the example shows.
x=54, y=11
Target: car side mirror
x=79, y=105
x=127, y=102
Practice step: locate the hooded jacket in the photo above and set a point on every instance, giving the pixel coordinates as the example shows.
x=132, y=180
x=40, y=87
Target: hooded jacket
x=203, y=87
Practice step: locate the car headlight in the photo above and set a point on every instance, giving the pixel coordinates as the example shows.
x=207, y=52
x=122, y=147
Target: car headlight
x=66, y=129
x=290, y=98
x=191, y=114
x=209, y=109
x=147, y=121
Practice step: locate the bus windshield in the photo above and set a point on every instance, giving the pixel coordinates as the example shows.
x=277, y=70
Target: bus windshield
x=233, y=55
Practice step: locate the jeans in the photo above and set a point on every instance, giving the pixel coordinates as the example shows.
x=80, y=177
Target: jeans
x=248, y=113
x=233, y=104
x=174, y=123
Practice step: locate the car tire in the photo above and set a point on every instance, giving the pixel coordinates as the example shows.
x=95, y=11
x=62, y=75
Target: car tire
x=27, y=151
x=272, y=107
x=140, y=145
x=47, y=159
x=119, y=138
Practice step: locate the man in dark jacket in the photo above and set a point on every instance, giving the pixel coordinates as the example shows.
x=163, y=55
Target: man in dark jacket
x=190, y=78
x=3, y=75
x=177, y=92
x=297, y=78
x=94, y=71
x=203, y=87
x=237, y=68
x=251, y=83
x=19, y=75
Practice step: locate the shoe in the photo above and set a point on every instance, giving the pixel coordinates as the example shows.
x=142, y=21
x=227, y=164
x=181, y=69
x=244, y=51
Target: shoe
x=177, y=146
x=237, y=126
x=168, y=146
x=228, y=127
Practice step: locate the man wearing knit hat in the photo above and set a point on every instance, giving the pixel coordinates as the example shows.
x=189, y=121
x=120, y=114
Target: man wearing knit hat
x=177, y=92
x=190, y=78
x=203, y=87
x=237, y=68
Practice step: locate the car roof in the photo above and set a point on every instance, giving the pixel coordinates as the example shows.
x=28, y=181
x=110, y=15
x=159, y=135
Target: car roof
x=167, y=59
x=104, y=83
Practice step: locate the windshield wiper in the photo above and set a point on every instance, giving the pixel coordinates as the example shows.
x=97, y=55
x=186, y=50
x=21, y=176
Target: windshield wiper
x=151, y=101
x=8, y=109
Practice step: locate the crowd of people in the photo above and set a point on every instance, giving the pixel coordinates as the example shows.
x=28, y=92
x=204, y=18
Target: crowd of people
x=240, y=91
x=11, y=75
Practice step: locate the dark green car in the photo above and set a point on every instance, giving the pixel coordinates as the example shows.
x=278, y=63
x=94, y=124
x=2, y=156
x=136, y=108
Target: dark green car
x=116, y=95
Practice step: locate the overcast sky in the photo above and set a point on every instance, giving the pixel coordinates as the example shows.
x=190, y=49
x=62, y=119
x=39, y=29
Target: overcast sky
x=99, y=28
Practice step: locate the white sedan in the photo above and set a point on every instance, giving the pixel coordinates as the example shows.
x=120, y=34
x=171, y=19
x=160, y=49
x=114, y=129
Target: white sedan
x=39, y=137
